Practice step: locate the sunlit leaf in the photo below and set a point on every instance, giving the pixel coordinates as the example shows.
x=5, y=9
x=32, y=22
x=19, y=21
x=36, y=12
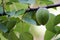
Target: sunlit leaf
x=26, y=36
x=2, y=37
x=20, y=12
x=0, y=1
x=22, y=27
x=44, y=2
x=21, y=6
x=49, y=35
x=48, y=2
x=12, y=7
x=50, y=23
x=57, y=28
x=57, y=20
x=7, y=8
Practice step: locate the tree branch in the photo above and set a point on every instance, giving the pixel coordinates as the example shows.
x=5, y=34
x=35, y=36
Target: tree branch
x=31, y=9
x=35, y=9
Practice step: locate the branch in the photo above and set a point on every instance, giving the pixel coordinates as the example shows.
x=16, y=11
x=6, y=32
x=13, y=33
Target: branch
x=35, y=9
x=32, y=9
x=52, y=6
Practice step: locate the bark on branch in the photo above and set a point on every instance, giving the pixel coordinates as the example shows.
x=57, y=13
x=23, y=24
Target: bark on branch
x=35, y=9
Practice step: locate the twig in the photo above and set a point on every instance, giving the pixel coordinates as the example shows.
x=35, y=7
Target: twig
x=35, y=9
x=30, y=9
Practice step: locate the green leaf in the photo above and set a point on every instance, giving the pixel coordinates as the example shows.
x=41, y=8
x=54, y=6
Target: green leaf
x=31, y=2
x=2, y=37
x=11, y=23
x=48, y=35
x=29, y=20
x=3, y=28
x=9, y=3
x=16, y=19
x=10, y=36
x=47, y=2
x=50, y=23
x=12, y=7
x=7, y=8
x=1, y=10
x=57, y=20
x=22, y=27
x=21, y=6
x=57, y=28
x=27, y=1
x=32, y=15
x=23, y=1
x=26, y=36
x=13, y=0
x=11, y=13
x=0, y=2
x=3, y=19
x=58, y=39
x=20, y=12
x=29, y=14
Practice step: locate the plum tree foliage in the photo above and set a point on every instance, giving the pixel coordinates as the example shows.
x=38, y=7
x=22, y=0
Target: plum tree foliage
x=15, y=21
